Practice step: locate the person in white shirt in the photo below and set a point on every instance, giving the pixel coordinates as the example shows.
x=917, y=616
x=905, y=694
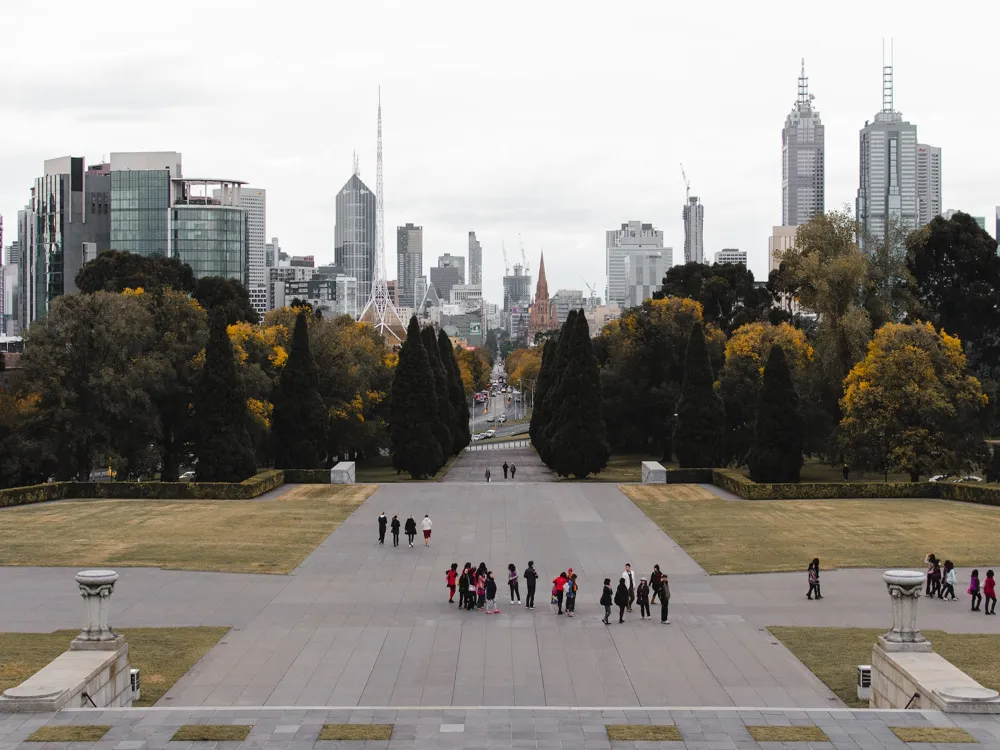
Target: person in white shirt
x=426, y=526
x=629, y=577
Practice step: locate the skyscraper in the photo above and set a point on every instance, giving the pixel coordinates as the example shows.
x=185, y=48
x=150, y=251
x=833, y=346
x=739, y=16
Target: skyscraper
x=254, y=203
x=141, y=200
x=633, y=237
x=354, y=235
x=694, y=231
x=409, y=263
x=475, y=260
x=802, y=160
x=887, y=193
x=449, y=272
x=928, y=183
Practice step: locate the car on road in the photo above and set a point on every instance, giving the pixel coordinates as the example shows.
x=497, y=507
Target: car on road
x=477, y=436
x=489, y=434
x=187, y=476
x=502, y=418
x=490, y=418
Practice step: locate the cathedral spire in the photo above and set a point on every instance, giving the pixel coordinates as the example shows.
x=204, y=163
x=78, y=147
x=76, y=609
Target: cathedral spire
x=542, y=288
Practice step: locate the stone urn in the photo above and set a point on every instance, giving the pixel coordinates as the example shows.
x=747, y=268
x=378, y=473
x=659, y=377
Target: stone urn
x=96, y=588
x=904, y=588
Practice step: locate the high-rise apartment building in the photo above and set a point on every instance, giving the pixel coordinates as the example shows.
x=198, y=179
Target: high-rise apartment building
x=475, y=260
x=887, y=193
x=354, y=235
x=633, y=237
x=802, y=160
x=517, y=290
x=453, y=261
x=141, y=200
x=781, y=240
x=928, y=183
x=731, y=255
x=563, y=301
x=644, y=273
x=253, y=201
x=409, y=264
x=694, y=231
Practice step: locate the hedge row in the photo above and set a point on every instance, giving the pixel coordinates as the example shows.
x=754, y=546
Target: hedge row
x=307, y=476
x=689, y=476
x=968, y=493
x=253, y=487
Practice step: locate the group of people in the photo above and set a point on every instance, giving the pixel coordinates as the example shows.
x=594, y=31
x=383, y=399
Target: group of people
x=941, y=579
x=476, y=587
x=506, y=468
x=409, y=528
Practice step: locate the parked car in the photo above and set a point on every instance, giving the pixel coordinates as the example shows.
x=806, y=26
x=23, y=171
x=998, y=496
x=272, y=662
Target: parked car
x=490, y=418
x=502, y=418
x=187, y=476
x=477, y=436
x=489, y=434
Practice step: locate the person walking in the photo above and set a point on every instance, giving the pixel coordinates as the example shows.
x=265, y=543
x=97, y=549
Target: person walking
x=491, y=594
x=506, y=468
x=411, y=529
x=846, y=471
x=977, y=597
x=481, y=587
x=990, y=591
x=813, y=582
x=664, y=600
x=938, y=575
x=557, y=591
x=629, y=577
x=451, y=577
x=395, y=530
x=606, y=601
x=487, y=475
x=530, y=580
x=463, y=587
x=426, y=526
x=931, y=562
x=515, y=593
x=654, y=583
x=512, y=470
x=642, y=596
x=949, y=581
x=621, y=599
x=571, y=588
x=382, y=523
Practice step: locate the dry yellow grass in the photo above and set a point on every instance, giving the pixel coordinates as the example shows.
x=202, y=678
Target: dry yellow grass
x=787, y=734
x=211, y=733
x=783, y=535
x=356, y=732
x=69, y=733
x=236, y=536
x=935, y=735
x=642, y=733
x=162, y=655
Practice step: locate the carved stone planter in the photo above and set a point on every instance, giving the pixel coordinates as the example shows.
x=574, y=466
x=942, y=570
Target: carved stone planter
x=96, y=588
x=904, y=588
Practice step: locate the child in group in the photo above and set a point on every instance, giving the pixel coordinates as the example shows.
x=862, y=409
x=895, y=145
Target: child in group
x=480, y=587
x=515, y=593
x=571, y=588
x=451, y=576
x=977, y=598
x=491, y=594
x=990, y=591
x=948, y=591
x=463, y=586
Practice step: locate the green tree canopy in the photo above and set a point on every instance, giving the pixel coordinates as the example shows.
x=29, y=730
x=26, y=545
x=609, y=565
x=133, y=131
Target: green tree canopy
x=539, y=415
x=299, y=419
x=701, y=419
x=461, y=433
x=726, y=291
x=228, y=295
x=445, y=420
x=776, y=455
x=116, y=271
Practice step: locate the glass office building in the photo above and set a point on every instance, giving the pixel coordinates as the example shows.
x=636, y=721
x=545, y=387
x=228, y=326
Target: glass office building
x=208, y=228
x=140, y=211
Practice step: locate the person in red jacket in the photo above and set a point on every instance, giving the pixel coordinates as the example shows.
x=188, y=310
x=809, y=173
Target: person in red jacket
x=990, y=592
x=557, y=591
x=451, y=575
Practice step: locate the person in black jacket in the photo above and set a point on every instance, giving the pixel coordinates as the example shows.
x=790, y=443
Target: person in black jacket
x=621, y=599
x=395, y=530
x=382, y=523
x=530, y=579
x=411, y=529
x=642, y=598
x=491, y=594
x=606, y=600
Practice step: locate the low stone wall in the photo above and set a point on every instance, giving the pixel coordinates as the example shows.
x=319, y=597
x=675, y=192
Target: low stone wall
x=653, y=473
x=937, y=684
x=891, y=686
x=72, y=677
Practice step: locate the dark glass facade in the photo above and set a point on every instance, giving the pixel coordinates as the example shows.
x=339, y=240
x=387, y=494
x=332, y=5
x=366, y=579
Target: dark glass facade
x=211, y=239
x=354, y=234
x=140, y=211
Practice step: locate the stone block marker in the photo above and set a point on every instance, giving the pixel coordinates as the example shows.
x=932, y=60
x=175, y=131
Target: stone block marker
x=342, y=473
x=93, y=672
x=653, y=473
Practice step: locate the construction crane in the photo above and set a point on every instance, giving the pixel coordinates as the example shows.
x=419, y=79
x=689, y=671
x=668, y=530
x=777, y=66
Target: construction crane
x=592, y=289
x=687, y=186
x=523, y=256
x=506, y=266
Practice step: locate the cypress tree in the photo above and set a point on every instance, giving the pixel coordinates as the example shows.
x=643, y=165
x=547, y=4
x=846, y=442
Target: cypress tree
x=776, y=455
x=553, y=397
x=445, y=418
x=413, y=410
x=701, y=417
x=222, y=444
x=461, y=433
x=578, y=444
x=542, y=386
x=299, y=420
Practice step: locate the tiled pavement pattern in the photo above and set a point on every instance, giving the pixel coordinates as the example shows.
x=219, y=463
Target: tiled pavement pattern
x=360, y=624
x=471, y=465
x=484, y=729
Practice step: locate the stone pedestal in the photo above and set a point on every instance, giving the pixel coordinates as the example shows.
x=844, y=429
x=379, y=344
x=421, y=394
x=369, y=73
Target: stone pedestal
x=653, y=473
x=342, y=473
x=96, y=588
x=904, y=589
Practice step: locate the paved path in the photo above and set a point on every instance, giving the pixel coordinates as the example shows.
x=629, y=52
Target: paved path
x=571, y=729
x=470, y=466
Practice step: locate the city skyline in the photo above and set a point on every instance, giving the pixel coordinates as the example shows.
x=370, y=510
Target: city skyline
x=528, y=162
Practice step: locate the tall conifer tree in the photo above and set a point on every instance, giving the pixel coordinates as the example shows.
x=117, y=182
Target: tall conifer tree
x=461, y=433
x=701, y=415
x=299, y=420
x=413, y=411
x=776, y=455
x=446, y=419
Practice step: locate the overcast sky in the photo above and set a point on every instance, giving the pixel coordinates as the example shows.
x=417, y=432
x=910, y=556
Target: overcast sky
x=552, y=121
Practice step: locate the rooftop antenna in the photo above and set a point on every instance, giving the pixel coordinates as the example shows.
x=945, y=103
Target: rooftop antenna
x=803, y=102
x=357, y=165
x=887, y=103
x=382, y=311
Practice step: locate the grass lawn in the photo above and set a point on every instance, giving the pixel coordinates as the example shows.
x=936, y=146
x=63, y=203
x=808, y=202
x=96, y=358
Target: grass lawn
x=642, y=733
x=69, y=733
x=350, y=732
x=162, y=655
x=764, y=536
x=768, y=733
x=211, y=733
x=833, y=654
x=933, y=735
x=378, y=470
x=236, y=536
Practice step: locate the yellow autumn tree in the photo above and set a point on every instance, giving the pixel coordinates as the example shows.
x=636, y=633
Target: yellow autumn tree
x=911, y=406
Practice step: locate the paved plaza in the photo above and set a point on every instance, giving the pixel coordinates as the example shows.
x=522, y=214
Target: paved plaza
x=358, y=624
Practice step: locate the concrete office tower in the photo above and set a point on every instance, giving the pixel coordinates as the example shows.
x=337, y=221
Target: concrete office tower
x=141, y=200
x=643, y=275
x=66, y=225
x=354, y=236
x=453, y=261
x=694, y=231
x=253, y=201
x=409, y=264
x=887, y=193
x=273, y=254
x=449, y=272
x=731, y=255
x=781, y=240
x=928, y=183
x=633, y=237
x=475, y=260
x=803, y=160
x=563, y=301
